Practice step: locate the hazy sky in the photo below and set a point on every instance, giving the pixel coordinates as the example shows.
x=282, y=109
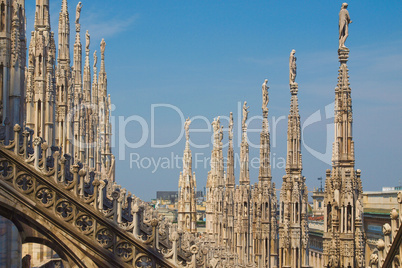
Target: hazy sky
x=201, y=59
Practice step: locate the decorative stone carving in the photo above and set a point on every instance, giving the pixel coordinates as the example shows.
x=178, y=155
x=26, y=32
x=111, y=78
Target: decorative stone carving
x=25, y=183
x=6, y=170
x=104, y=237
x=386, y=229
x=45, y=196
x=144, y=262
x=125, y=251
x=64, y=209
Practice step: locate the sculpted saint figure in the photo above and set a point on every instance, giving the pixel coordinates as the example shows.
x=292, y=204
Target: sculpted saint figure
x=103, y=46
x=78, y=13
x=87, y=40
x=344, y=21
x=359, y=209
x=292, y=67
x=95, y=59
x=231, y=126
x=265, y=98
x=245, y=113
x=187, y=128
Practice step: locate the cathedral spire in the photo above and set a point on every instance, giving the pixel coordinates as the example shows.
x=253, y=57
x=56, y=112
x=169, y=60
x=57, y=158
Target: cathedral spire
x=77, y=78
x=343, y=230
x=42, y=16
x=294, y=159
x=244, y=151
x=343, y=148
x=294, y=195
x=187, y=158
x=64, y=90
x=265, y=147
x=42, y=56
x=64, y=36
x=187, y=188
x=87, y=70
x=105, y=106
x=230, y=179
x=95, y=80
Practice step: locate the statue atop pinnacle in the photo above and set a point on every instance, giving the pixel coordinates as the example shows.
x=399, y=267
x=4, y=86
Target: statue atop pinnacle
x=245, y=115
x=231, y=126
x=187, y=128
x=292, y=67
x=293, y=72
x=87, y=41
x=77, y=17
x=344, y=20
x=265, y=98
x=103, y=47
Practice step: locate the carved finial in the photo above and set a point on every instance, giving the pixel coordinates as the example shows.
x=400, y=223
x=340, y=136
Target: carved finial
x=37, y=141
x=64, y=6
x=17, y=128
x=344, y=20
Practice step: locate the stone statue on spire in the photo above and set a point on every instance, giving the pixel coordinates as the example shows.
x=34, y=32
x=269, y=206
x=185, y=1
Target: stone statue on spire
x=87, y=40
x=95, y=59
x=78, y=13
x=231, y=126
x=103, y=46
x=265, y=98
x=77, y=17
x=344, y=20
x=292, y=67
x=187, y=128
x=245, y=114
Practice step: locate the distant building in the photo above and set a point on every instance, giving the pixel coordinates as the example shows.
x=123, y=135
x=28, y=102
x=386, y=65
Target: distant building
x=172, y=196
x=167, y=195
x=318, y=202
x=376, y=212
x=377, y=207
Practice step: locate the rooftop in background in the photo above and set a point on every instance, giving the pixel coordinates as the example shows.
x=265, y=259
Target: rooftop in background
x=380, y=202
x=389, y=189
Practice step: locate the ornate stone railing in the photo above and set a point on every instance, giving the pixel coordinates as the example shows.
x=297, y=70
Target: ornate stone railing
x=99, y=213
x=389, y=250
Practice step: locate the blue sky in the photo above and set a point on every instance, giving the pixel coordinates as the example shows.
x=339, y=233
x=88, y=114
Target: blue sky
x=204, y=57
